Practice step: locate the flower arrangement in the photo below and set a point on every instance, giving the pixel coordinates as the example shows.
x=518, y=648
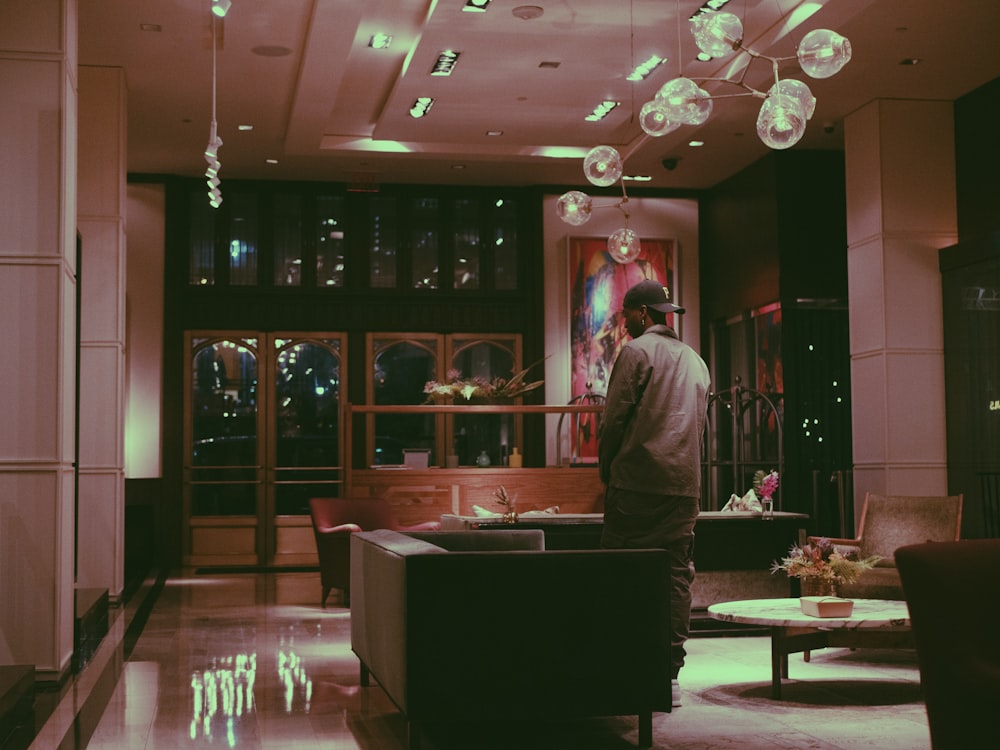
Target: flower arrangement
x=765, y=483
x=758, y=498
x=824, y=561
x=507, y=502
x=481, y=388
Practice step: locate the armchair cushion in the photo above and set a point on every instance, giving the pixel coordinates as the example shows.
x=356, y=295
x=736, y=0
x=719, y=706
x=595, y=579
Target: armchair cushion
x=954, y=610
x=889, y=522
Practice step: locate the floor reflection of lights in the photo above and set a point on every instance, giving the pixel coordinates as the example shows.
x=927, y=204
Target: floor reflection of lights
x=221, y=695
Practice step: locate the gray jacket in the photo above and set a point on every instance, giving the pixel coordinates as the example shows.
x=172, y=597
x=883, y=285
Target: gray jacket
x=654, y=417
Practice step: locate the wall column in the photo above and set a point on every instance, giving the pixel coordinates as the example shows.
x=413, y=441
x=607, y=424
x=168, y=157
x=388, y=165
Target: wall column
x=101, y=215
x=38, y=87
x=901, y=209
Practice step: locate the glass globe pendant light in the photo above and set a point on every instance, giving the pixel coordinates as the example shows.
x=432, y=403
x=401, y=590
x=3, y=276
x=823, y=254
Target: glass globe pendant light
x=781, y=123
x=602, y=166
x=624, y=245
x=797, y=90
x=717, y=34
x=655, y=120
x=683, y=100
x=574, y=208
x=823, y=53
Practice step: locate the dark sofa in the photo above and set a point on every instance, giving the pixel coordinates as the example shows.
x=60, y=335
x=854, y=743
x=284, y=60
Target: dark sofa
x=487, y=625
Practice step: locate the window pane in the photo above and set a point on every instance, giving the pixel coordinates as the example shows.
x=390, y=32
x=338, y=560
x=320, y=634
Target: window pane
x=505, y=243
x=424, y=242
x=330, y=241
x=242, y=241
x=475, y=433
x=467, y=243
x=287, y=239
x=382, y=247
x=224, y=429
x=401, y=370
x=307, y=401
x=201, y=242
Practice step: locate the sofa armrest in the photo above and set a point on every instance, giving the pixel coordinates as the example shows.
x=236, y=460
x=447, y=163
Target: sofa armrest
x=836, y=541
x=344, y=528
x=425, y=526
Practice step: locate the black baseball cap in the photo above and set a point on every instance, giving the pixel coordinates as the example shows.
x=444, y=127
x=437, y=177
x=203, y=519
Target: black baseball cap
x=651, y=294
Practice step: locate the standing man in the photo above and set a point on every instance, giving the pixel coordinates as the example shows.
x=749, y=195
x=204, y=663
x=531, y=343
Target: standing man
x=650, y=449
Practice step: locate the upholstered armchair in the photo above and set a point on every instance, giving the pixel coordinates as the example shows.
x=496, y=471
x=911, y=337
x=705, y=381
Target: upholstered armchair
x=953, y=595
x=334, y=520
x=889, y=522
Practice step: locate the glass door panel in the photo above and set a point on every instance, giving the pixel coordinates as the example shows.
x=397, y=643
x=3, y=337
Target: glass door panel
x=263, y=435
x=223, y=466
x=307, y=386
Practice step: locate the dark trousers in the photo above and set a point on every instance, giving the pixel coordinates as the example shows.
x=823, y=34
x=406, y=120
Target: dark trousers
x=642, y=520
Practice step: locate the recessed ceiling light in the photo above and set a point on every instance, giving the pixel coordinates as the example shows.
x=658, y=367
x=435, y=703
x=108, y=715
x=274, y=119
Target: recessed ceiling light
x=476, y=6
x=271, y=50
x=458, y=166
x=445, y=63
x=270, y=161
x=696, y=144
x=601, y=111
x=244, y=127
x=528, y=12
x=645, y=68
x=421, y=106
x=380, y=41
x=494, y=132
x=911, y=61
x=637, y=177
x=709, y=6
x=150, y=27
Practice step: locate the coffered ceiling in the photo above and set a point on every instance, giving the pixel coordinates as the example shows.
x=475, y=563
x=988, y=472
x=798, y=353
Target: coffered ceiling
x=325, y=105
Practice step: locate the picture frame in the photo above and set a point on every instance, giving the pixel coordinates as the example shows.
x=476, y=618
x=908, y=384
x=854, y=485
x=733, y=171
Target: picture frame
x=597, y=286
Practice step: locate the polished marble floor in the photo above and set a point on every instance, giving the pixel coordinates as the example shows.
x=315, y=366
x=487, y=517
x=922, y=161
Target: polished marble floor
x=251, y=661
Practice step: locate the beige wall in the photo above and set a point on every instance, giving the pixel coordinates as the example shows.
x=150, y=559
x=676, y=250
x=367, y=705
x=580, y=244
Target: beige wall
x=144, y=331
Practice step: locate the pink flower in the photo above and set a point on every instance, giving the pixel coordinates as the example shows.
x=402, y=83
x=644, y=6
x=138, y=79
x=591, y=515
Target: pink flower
x=769, y=485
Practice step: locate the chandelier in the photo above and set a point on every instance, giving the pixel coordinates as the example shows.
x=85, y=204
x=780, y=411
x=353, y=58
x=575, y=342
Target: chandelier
x=787, y=106
x=214, y=141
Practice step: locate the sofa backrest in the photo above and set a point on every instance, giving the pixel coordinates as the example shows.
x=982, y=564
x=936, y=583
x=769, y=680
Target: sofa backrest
x=485, y=540
x=446, y=626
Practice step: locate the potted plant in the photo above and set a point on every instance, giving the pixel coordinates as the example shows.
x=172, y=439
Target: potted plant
x=821, y=567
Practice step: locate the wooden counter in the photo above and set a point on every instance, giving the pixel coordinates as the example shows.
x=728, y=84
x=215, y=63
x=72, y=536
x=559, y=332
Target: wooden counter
x=426, y=494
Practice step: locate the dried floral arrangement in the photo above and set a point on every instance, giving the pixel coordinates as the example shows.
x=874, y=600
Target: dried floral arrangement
x=481, y=388
x=507, y=502
x=823, y=560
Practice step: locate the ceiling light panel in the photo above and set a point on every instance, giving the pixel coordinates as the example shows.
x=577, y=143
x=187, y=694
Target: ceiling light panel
x=421, y=106
x=643, y=69
x=445, y=63
x=476, y=6
x=602, y=110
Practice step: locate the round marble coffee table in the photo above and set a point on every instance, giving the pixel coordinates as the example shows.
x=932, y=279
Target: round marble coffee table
x=873, y=623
